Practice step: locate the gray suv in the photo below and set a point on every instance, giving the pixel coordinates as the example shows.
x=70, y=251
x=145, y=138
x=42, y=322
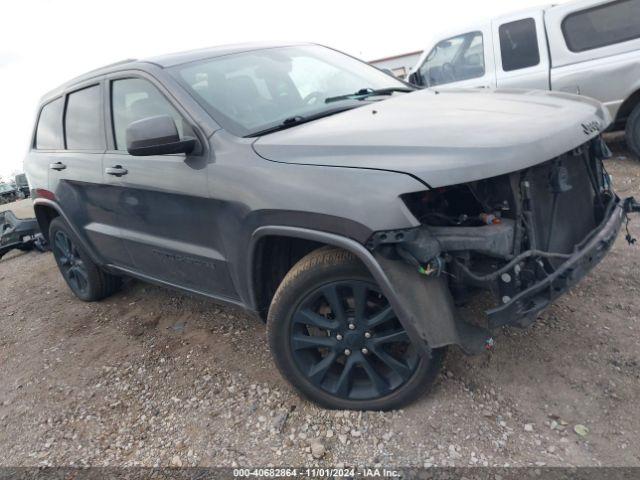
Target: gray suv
x=348, y=210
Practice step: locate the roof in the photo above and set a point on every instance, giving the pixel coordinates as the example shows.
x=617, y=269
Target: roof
x=169, y=60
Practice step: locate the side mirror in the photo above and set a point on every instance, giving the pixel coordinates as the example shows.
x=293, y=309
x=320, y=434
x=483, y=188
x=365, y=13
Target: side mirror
x=156, y=136
x=413, y=78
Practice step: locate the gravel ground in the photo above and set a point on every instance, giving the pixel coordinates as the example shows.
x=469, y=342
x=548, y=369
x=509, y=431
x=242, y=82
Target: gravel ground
x=152, y=377
x=22, y=208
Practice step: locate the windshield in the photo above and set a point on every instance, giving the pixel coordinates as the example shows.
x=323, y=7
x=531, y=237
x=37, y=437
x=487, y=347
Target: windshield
x=253, y=91
x=453, y=60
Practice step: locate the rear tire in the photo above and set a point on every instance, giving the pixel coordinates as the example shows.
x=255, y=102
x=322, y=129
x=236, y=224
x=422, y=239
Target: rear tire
x=327, y=304
x=632, y=132
x=85, y=279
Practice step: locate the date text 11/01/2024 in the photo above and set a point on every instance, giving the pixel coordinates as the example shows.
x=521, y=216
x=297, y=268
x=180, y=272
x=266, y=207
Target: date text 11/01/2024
x=316, y=472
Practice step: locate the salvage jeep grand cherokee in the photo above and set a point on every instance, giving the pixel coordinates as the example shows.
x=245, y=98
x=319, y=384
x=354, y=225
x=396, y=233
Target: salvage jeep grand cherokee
x=346, y=209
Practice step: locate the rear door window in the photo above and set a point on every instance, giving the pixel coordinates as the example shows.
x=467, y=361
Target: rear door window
x=519, y=45
x=49, y=129
x=603, y=25
x=83, y=120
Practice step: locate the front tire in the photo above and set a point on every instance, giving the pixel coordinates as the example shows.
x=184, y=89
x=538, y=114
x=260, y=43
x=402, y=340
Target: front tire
x=335, y=337
x=632, y=132
x=85, y=279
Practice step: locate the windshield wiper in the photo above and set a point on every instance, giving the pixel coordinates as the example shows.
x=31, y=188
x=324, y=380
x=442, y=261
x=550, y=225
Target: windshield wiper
x=298, y=119
x=369, y=92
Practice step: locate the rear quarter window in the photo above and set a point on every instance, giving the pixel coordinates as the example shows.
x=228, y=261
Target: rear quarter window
x=49, y=129
x=604, y=25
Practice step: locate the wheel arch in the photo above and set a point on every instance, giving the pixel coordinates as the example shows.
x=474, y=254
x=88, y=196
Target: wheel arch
x=46, y=210
x=45, y=213
x=627, y=107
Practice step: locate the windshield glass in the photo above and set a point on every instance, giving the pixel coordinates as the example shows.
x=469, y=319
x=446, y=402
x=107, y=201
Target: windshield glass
x=254, y=91
x=453, y=60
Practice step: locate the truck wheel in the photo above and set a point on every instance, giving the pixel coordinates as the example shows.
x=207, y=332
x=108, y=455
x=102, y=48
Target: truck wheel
x=85, y=279
x=335, y=337
x=632, y=133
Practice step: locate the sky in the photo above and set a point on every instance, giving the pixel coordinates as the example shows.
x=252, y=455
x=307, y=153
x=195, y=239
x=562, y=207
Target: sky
x=43, y=43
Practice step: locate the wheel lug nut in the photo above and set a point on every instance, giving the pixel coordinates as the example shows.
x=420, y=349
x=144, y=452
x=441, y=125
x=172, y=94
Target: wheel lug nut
x=338, y=337
x=352, y=326
x=365, y=351
x=347, y=352
x=367, y=334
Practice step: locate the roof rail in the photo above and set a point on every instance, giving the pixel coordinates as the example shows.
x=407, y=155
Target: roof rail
x=89, y=73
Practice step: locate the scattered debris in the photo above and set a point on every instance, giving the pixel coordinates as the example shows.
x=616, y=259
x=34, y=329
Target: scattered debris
x=178, y=327
x=280, y=420
x=317, y=449
x=581, y=430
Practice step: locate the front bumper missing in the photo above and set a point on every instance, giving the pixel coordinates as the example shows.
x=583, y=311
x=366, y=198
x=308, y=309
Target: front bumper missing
x=427, y=310
x=528, y=303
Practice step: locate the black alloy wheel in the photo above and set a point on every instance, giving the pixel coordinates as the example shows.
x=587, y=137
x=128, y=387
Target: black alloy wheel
x=72, y=266
x=347, y=340
x=88, y=281
x=334, y=335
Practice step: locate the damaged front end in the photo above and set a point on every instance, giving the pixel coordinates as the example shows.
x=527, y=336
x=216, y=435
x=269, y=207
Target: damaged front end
x=21, y=234
x=526, y=237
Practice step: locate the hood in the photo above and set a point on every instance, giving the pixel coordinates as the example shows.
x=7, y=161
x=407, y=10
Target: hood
x=444, y=138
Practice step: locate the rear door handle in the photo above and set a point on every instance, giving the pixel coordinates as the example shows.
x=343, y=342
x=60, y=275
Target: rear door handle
x=116, y=171
x=57, y=166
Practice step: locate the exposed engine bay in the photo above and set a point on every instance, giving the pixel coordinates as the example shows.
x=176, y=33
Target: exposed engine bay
x=526, y=236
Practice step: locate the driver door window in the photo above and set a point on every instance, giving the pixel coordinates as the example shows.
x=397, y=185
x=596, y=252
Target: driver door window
x=133, y=99
x=454, y=60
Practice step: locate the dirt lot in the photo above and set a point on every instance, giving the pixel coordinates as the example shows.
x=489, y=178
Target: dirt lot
x=152, y=377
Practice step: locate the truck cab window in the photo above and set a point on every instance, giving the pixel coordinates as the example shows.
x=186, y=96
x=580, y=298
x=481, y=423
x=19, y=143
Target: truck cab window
x=519, y=45
x=453, y=60
x=603, y=25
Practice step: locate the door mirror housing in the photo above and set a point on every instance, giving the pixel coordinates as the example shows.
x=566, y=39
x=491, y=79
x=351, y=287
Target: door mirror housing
x=413, y=78
x=157, y=136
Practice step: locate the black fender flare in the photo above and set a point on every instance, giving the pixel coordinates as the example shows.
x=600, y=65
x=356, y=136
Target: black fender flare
x=350, y=245
x=52, y=204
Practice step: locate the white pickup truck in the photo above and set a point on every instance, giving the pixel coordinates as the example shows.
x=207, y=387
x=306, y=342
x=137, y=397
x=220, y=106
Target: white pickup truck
x=589, y=47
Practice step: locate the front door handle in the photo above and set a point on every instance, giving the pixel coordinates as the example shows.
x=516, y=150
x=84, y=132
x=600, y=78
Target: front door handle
x=116, y=171
x=57, y=166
